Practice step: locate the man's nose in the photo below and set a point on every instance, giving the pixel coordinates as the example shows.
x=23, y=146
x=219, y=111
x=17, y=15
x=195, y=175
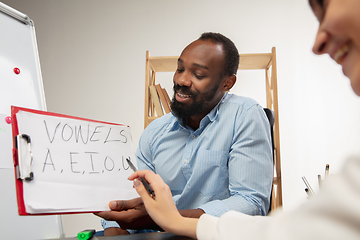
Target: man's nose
x=321, y=42
x=183, y=79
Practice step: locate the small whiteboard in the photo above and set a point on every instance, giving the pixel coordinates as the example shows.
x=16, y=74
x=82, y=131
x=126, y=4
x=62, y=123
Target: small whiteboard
x=67, y=164
x=21, y=85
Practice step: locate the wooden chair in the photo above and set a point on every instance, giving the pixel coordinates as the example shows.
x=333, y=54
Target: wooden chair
x=156, y=106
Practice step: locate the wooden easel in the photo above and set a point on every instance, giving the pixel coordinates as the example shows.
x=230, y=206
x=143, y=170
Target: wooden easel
x=154, y=107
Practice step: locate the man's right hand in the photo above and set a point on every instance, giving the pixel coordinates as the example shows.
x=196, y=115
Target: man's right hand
x=129, y=214
x=114, y=231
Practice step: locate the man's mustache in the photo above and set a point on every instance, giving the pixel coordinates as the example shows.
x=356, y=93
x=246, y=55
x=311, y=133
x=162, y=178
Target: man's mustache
x=182, y=89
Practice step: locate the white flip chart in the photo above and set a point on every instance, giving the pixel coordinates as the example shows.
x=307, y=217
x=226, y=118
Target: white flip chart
x=77, y=165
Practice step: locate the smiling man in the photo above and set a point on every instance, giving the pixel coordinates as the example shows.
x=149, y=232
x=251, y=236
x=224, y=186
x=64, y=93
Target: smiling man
x=214, y=148
x=197, y=81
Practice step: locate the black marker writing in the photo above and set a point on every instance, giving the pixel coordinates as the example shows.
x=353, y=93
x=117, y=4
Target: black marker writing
x=79, y=132
x=63, y=132
x=122, y=138
x=105, y=134
x=95, y=131
x=48, y=156
x=47, y=131
x=91, y=161
x=106, y=163
x=72, y=162
x=125, y=168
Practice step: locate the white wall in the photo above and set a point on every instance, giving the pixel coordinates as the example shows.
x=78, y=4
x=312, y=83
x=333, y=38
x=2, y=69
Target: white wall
x=92, y=55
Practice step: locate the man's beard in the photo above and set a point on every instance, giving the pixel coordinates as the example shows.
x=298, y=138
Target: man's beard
x=200, y=101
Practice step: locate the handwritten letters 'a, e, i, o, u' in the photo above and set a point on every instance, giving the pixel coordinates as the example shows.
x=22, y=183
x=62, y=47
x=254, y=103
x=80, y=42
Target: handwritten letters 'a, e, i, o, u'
x=78, y=165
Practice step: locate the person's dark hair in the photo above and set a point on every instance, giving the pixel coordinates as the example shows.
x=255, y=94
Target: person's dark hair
x=314, y=2
x=230, y=50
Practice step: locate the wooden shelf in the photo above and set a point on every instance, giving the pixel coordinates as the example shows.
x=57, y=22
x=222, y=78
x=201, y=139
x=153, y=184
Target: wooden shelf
x=255, y=61
x=247, y=61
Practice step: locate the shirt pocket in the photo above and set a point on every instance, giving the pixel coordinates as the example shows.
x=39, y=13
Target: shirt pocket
x=211, y=173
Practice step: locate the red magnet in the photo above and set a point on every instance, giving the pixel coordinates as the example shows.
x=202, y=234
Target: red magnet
x=8, y=120
x=16, y=70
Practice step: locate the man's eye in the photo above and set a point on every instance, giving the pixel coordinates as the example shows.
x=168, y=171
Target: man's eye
x=199, y=76
x=179, y=70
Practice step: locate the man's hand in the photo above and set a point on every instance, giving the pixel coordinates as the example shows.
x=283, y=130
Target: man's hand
x=114, y=231
x=130, y=214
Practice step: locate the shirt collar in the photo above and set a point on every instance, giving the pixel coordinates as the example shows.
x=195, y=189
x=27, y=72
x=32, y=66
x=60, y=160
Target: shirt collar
x=214, y=112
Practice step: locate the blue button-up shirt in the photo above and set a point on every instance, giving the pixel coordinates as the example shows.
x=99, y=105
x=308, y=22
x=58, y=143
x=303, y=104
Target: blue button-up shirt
x=225, y=164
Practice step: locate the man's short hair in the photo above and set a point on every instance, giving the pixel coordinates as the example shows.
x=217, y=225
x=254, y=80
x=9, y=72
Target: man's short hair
x=230, y=51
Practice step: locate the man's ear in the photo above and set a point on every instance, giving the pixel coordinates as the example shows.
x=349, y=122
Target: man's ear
x=229, y=82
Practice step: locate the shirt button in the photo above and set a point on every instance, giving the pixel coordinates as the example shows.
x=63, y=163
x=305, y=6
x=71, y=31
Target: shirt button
x=193, y=136
x=185, y=161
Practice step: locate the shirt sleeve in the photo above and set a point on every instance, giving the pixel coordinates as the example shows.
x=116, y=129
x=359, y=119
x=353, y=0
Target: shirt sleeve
x=231, y=225
x=250, y=166
x=108, y=224
x=333, y=213
x=143, y=152
x=206, y=227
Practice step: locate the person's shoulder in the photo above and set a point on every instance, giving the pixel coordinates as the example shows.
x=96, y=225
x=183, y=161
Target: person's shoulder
x=240, y=101
x=157, y=128
x=161, y=123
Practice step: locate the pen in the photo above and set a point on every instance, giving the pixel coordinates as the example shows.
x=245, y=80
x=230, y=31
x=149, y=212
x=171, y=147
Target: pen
x=307, y=185
x=327, y=170
x=147, y=186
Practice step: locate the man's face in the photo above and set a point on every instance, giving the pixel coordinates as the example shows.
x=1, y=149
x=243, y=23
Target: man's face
x=338, y=35
x=198, y=79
